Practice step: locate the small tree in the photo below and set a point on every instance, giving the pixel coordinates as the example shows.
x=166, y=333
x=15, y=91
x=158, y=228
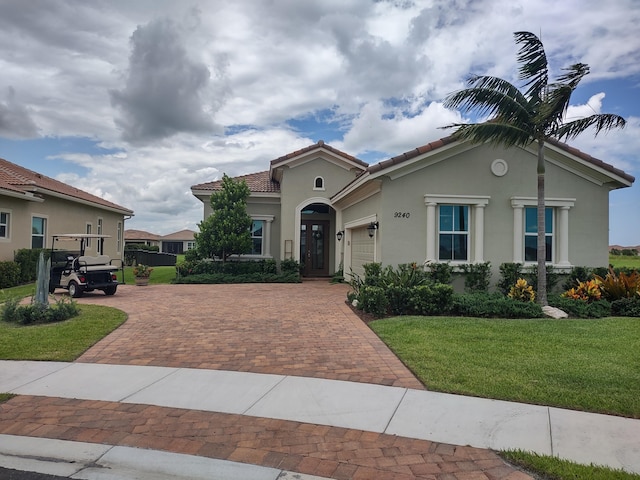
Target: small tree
x=227, y=230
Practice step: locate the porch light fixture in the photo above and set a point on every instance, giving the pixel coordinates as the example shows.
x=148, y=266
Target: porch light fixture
x=373, y=226
x=339, y=235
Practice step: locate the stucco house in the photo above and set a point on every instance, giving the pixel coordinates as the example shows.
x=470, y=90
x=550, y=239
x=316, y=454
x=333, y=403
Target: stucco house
x=141, y=237
x=34, y=207
x=178, y=242
x=447, y=201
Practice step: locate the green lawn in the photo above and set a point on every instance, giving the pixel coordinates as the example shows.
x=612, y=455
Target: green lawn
x=625, y=261
x=159, y=275
x=589, y=365
x=64, y=341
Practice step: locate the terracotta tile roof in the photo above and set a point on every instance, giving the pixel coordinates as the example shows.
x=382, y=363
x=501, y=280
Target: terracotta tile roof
x=131, y=234
x=186, y=235
x=310, y=148
x=257, y=182
x=20, y=179
x=450, y=139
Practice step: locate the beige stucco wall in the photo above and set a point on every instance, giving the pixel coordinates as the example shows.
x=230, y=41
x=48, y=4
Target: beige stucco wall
x=401, y=237
x=62, y=216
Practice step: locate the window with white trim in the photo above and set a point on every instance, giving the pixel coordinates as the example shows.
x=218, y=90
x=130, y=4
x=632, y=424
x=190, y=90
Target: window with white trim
x=318, y=183
x=257, y=235
x=531, y=234
x=88, y=242
x=38, y=232
x=453, y=233
x=100, y=246
x=119, y=237
x=455, y=228
x=191, y=245
x=4, y=224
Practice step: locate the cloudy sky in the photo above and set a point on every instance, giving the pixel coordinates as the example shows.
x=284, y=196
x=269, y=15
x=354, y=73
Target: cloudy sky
x=137, y=100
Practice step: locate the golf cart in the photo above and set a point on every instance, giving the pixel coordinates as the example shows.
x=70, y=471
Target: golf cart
x=77, y=272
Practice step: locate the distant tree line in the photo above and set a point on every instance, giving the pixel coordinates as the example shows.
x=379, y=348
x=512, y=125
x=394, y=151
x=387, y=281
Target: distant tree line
x=628, y=252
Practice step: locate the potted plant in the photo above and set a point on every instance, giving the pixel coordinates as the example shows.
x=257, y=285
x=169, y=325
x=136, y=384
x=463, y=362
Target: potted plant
x=142, y=273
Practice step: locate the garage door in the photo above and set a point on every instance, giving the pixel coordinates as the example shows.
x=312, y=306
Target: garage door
x=362, y=250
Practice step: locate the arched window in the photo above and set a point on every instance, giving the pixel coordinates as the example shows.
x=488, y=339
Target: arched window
x=318, y=183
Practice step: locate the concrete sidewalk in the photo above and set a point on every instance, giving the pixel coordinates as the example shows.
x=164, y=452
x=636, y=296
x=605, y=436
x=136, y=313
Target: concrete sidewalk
x=452, y=419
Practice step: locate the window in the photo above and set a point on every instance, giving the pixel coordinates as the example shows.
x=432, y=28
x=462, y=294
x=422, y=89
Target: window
x=455, y=227
x=191, y=245
x=531, y=234
x=4, y=225
x=257, y=229
x=100, y=246
x=453, y=233
x=88, y=242
x=38, y=232
x=119, y=237
x=318, y=183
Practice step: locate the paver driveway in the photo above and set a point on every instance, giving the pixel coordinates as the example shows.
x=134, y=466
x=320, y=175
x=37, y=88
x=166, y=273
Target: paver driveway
x=289, y=329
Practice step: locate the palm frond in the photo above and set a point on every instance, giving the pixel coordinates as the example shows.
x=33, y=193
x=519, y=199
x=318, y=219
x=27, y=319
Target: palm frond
x=602, y=121
x=534, y=69
x=489, y=102
x=494, y=132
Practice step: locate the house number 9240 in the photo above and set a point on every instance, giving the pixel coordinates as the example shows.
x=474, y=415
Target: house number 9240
x=401, y=214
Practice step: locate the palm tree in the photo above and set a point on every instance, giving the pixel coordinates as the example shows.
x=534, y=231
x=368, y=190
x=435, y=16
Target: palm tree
x=521, y=118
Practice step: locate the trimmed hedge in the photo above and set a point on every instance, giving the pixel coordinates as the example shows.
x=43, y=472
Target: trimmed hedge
x=493, y=305
x=9, y=274
x=213, y=278
x=34, y=313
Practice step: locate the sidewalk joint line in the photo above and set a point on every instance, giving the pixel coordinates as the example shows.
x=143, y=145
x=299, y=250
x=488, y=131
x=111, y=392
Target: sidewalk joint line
x=175, y=370
x=550, y=431
x=395, y=410
x=68, y=364
x=264, y=395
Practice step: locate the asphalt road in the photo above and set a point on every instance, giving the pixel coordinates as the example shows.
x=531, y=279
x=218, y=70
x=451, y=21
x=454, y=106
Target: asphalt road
x=9, y=474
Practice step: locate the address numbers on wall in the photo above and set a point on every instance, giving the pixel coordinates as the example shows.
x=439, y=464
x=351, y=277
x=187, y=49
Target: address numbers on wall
x=401, y=214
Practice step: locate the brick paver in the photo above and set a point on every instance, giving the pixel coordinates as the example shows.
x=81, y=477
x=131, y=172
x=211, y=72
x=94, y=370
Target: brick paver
x=303, y=329
x=293, y=329
x=325, y=451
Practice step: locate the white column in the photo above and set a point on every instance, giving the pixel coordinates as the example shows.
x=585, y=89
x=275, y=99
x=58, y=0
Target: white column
x=563, y=237
x=478, y=235
x=518, y=232
x=431, y=232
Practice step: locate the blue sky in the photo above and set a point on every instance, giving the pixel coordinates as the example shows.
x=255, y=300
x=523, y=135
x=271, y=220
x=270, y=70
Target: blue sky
x=136, y=101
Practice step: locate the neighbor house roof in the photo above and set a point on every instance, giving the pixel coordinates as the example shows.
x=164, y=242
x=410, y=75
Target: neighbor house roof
x=313, y=147
x=22, y=180
x=131, y=234
x=182, y=235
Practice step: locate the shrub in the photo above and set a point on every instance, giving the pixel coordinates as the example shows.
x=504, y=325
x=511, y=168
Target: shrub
x=626, y=307
x=579, y=308
x=435, y=299
x=27, y=258
x=477, y=276
x=373, y=274
x=588, y=291
x=577, y=275
x=9, y=274
x=399, y=297
x=616, y=286
x=373, y=299
x=439, y=272
x=220, y=278
x=210, y=267
x=522, y=291
x=494, y=306
x=37, y=313
x=290, y=266
x=552, y=277
x=509, y=275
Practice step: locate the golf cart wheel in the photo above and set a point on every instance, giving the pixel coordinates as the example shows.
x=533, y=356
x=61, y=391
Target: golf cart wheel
x=52, y=287
x=74, y=290
x=110, y=290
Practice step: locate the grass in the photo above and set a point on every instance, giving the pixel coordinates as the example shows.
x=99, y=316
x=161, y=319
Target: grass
x=553, y=468
x=589, y=365
x=625, y=261
x=64, y=341
x=160, y=275
x=20, y=291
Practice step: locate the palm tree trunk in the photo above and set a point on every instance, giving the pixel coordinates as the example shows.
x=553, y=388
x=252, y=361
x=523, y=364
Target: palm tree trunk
x=542, y=247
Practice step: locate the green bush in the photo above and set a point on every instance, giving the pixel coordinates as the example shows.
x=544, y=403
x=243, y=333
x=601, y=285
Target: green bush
x=577, y=276
x=220, y=278
x=435, y=299
x=290, y=266
x=579, y=308
x=399, y=297
x=233, y=268
x=373, y=299
x=27, y=259
x=9, y=274
x=494, y=305
x=13, y=312
x=509, y=275
x=626, y=307
x=373, y=274
x=477, y=277
x=440, y=272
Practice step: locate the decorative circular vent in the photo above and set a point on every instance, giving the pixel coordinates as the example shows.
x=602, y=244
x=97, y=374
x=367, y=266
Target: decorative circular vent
x=499, y=167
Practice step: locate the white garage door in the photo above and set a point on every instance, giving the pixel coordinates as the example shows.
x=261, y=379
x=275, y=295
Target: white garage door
x=362, y=250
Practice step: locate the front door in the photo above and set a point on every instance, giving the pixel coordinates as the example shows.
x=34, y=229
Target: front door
x=314, y=248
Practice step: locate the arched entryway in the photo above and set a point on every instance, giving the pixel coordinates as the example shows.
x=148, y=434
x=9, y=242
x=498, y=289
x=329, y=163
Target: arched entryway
x=316, y=239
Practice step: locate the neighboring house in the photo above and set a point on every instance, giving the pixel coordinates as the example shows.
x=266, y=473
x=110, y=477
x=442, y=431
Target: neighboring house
x=34, y=207
x=178, y=242
x=140, y=237
x=447, y=201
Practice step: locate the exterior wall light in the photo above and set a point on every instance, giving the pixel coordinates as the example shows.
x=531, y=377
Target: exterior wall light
x=339, y=235
x=373, y=226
